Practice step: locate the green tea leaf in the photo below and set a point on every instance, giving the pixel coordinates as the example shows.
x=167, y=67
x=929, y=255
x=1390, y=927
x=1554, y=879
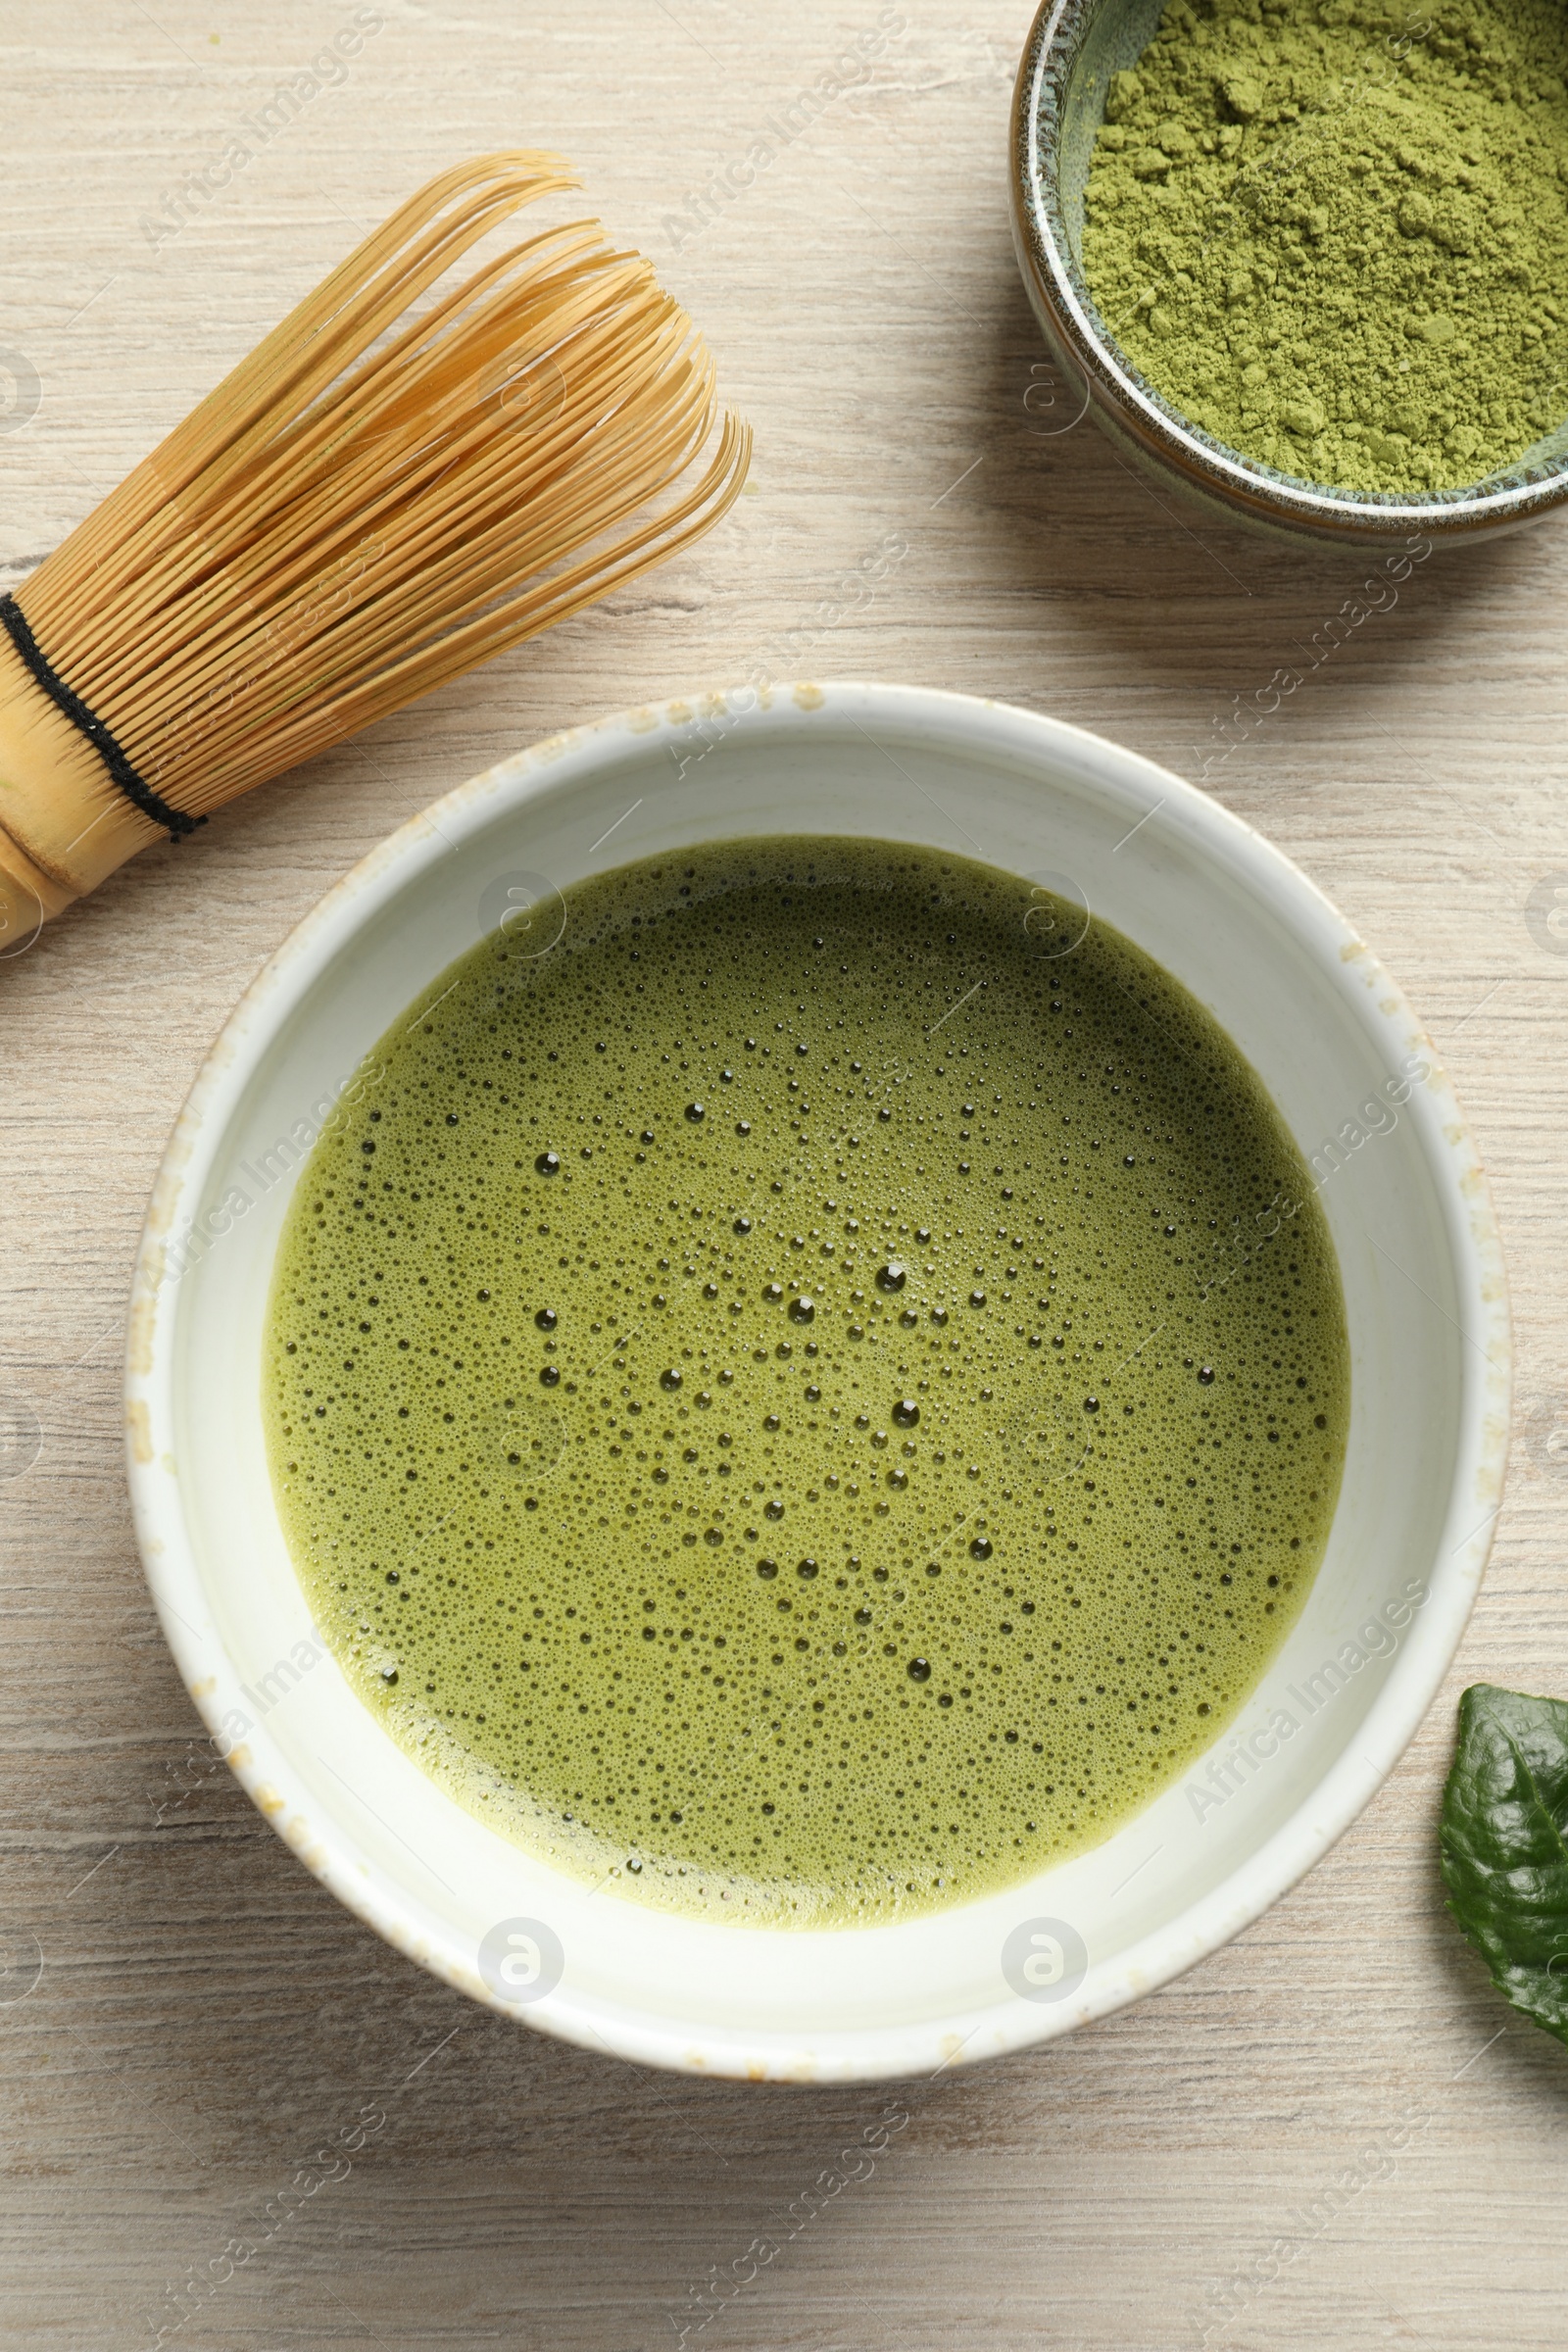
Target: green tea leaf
x=1504, y=1842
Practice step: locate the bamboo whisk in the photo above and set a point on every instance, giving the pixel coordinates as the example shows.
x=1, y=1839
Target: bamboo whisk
x=369, y=505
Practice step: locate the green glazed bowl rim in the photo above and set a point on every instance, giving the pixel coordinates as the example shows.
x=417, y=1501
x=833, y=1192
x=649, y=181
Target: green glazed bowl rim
x=1129, y=406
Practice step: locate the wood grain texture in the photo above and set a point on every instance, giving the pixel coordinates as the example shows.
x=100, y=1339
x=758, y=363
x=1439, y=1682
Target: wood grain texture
x=206, y=2016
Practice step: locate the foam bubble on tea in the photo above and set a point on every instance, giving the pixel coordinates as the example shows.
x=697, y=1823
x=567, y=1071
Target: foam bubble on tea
x=815, y=1393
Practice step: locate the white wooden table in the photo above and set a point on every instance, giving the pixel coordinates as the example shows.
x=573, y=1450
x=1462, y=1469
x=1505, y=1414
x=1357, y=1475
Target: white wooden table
x=206, y=2016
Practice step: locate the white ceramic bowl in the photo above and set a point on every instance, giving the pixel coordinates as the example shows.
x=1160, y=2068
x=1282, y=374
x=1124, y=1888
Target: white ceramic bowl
x=1405, y=1199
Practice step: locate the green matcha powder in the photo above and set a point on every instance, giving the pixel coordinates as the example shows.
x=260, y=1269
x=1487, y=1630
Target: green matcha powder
x=1335, y=235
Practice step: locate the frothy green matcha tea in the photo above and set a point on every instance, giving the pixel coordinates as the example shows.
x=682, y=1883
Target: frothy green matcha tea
x=813, y=1393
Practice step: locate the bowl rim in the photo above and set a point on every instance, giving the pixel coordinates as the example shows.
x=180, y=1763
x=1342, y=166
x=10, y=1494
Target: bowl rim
x=1125, y=402
x=324, y=1843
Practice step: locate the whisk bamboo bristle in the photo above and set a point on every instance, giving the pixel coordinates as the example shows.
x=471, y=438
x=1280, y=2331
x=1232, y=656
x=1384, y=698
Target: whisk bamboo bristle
x=370, y=504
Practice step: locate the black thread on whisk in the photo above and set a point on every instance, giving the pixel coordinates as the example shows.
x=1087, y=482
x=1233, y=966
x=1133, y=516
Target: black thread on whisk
x=43, y=673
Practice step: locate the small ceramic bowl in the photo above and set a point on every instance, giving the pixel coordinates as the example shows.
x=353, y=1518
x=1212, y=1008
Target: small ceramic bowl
x=1059, y=104
x=1406, y=1202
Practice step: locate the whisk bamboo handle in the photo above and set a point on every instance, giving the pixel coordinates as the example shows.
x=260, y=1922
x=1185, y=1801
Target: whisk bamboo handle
x=64, y=825
x=384, y=494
